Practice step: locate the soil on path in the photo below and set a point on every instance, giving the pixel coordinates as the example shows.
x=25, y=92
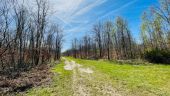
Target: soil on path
x=87, y=82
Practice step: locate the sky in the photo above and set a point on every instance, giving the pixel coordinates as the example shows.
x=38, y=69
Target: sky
x=78, y=16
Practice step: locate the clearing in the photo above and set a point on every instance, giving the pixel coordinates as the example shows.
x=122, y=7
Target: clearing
x=77, y=77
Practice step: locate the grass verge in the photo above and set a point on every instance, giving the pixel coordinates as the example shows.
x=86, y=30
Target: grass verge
x=134, y=80
x=61, y=84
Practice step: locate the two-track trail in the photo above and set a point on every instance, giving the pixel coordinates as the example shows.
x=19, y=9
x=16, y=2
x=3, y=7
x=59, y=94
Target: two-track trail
x=89, y=82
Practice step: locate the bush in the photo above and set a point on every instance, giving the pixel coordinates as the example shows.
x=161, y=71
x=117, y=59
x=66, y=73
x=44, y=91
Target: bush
x=158, y=56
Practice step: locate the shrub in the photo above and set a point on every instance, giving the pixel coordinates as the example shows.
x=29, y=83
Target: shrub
x=158, y=56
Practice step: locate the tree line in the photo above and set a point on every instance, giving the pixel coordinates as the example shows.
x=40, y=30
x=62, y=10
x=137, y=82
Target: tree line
x=27, y=37
x=112, y=39
x=108, y=40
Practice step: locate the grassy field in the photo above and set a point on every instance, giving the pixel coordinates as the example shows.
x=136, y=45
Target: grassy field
x=119, y=79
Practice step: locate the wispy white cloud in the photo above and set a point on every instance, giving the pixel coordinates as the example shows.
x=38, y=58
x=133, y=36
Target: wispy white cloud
x=64, y=8
x=118, y=9
x=69, y=10
x=90, y=6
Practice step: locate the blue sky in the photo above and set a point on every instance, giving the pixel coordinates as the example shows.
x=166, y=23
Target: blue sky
x=78, y=16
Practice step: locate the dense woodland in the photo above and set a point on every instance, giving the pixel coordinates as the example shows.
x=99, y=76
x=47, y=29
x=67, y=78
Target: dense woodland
x=112, y=39
x=27, y=38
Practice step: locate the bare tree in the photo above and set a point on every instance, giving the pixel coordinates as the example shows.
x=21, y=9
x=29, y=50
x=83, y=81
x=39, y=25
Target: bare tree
x=59, y=40
x=108, y=29
x=40, y=21
x=98, y=32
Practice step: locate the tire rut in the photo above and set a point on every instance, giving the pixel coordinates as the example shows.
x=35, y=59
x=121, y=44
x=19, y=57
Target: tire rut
x=86, y=82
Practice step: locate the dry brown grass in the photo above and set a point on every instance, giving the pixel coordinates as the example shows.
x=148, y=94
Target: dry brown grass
x=25, y=80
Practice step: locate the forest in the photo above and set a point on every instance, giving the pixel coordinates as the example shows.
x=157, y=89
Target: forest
x=28, y=41
x=27, y=38
x=31, y=53
x=113, y=39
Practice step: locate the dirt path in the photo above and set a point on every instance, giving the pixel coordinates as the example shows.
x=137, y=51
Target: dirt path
x=87, y=82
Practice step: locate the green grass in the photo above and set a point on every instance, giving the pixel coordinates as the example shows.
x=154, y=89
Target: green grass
x=137, y=80
x=126, y=79
x=61, y=84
